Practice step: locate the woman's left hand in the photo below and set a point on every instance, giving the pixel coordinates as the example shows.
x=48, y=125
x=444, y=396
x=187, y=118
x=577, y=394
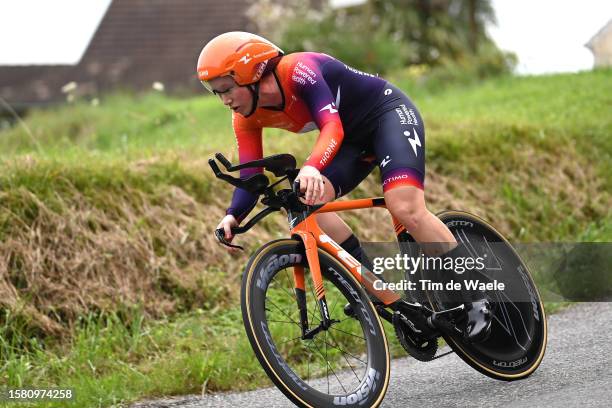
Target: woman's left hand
x=311, y=182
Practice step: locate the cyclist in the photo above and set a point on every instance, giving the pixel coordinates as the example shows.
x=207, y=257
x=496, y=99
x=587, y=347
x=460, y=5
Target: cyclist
x=363, y=122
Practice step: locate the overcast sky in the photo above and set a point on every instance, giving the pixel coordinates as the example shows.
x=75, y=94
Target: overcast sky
x=547, y=35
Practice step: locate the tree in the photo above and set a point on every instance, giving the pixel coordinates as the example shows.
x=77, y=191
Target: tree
x=382, y=35
x=441, y=29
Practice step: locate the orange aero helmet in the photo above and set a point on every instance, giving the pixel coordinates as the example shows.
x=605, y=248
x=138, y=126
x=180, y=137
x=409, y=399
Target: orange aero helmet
x=243, y=56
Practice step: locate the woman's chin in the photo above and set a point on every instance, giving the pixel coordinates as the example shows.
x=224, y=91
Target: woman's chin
x=241, y=111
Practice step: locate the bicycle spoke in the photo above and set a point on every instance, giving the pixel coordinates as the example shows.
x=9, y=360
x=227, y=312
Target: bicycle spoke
x=346, y=318
x=350, y=334
x=343, y=351
x=283, y=286
x=334, y=307
x=328, y=368
x=290, y=281
x=282, y=321
x=308, y=373
x=283, y=312
x=291, y=294
x=287, y=341
x=345, y=359
x=294, y=298
x=326, y=360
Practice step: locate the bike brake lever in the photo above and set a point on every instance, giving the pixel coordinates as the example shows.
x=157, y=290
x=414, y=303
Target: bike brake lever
x=220, y=234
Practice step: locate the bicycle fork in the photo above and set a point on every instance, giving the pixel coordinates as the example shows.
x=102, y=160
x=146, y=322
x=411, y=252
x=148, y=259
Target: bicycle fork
x=300, y=293
x=312, y=255
x=307, y=230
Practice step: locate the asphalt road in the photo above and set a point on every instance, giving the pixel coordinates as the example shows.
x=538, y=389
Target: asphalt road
x=575, y=372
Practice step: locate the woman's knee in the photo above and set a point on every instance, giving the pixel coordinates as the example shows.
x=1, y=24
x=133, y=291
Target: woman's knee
x=407, y=204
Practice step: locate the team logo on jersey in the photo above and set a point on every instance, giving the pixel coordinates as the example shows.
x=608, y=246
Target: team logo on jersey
x=385, y=161
x=245, y=59
x=303, y=74
x=334, y=106
x=413, y=142
x=331, y=107
x=329, y=151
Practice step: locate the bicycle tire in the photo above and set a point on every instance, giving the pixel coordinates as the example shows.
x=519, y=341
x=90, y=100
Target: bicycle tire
x=259, y=278
x=486, y=357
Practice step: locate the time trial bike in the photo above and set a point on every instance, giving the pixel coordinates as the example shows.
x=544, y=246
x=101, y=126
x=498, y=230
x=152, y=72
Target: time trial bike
x=313, y=315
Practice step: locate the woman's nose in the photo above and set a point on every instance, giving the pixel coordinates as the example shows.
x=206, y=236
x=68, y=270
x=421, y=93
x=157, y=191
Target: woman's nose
x=226, y=99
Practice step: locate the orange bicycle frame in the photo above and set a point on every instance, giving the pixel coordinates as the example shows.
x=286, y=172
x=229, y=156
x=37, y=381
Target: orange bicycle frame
x=313, y=238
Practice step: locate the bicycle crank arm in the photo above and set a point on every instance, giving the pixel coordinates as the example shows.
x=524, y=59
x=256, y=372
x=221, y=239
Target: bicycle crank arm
x=416, y=316
x=388, y=316
x=442, y=320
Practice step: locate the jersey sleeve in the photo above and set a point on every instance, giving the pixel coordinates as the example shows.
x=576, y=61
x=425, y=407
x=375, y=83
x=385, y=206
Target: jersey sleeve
x=323, y=104
x=250, y=147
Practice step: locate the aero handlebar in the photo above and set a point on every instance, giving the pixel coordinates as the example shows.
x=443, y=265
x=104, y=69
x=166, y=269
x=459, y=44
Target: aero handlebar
x=258, y=184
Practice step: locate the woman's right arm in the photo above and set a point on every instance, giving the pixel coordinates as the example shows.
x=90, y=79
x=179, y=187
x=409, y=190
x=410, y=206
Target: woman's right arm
x=249, y=143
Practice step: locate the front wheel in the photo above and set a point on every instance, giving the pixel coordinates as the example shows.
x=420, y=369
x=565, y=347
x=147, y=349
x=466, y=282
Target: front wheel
x=517, y=342
x=345, y=365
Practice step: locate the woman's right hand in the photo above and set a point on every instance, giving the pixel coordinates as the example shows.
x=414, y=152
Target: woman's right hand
x=227, y=223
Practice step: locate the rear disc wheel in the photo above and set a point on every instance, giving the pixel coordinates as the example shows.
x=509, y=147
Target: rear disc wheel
x=517, y=341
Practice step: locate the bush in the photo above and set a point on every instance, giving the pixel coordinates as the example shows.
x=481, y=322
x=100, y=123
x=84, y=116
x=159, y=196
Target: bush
x=489, y=63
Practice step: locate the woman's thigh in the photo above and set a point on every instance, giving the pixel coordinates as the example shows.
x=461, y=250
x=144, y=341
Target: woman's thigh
x=399, y=146
x=349, y=167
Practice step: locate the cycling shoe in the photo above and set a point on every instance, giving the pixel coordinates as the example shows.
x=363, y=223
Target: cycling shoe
x=479, y=317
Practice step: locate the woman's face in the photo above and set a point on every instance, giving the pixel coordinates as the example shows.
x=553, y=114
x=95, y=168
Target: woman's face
x=238, y=98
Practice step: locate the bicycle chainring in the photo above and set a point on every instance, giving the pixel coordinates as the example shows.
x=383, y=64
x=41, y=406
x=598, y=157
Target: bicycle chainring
x=421, y=349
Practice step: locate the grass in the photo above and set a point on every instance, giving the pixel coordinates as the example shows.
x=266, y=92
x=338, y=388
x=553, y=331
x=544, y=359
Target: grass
x=113, y=284
x=110, y=359
x=120, y=357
